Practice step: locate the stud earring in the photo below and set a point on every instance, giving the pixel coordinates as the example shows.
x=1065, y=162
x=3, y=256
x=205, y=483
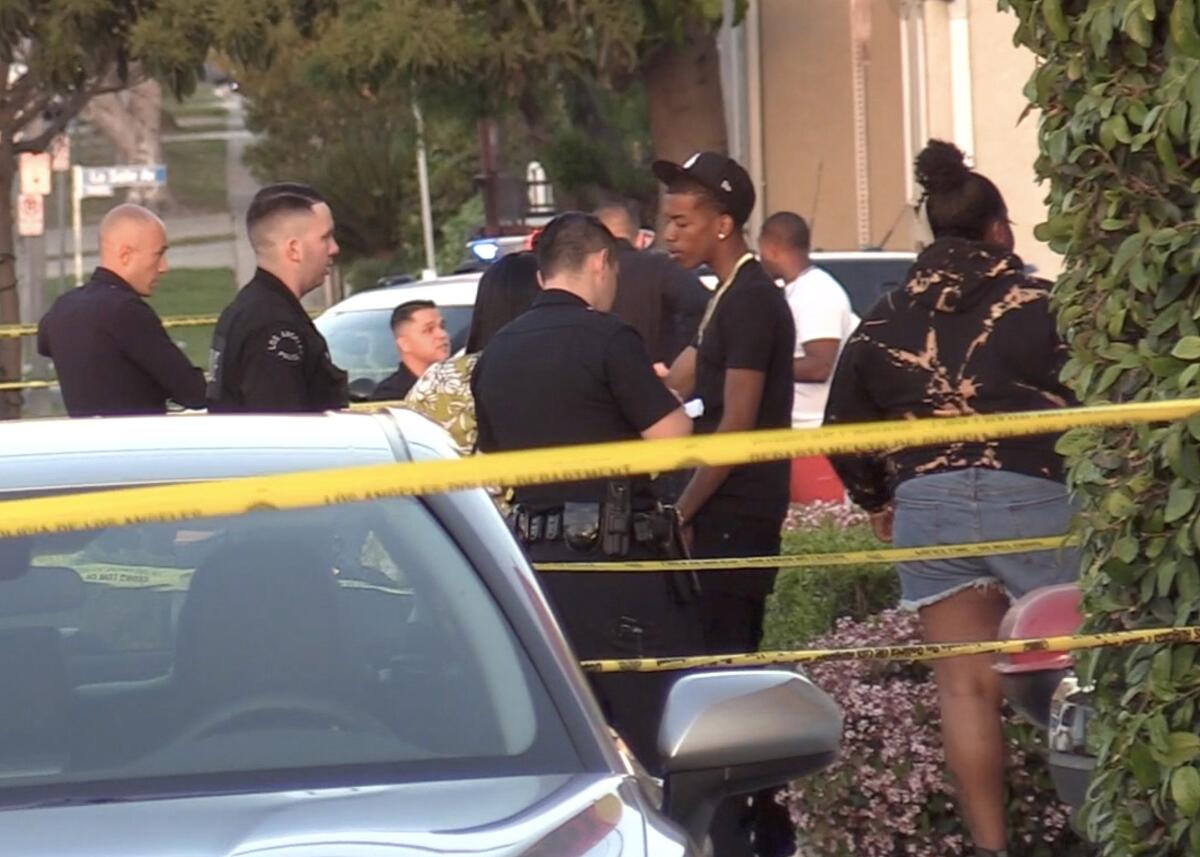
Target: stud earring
x=721, y=236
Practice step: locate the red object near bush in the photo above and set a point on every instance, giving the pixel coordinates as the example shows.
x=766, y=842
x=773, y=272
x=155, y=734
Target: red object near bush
x=1052, y=611
x=814, y=480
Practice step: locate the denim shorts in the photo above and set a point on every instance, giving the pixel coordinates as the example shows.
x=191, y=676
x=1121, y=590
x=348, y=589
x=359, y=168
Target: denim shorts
x=978, y=505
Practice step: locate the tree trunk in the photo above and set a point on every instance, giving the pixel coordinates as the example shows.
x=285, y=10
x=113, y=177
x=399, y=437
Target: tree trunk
x=145, y=106
x=10, y=309
x=132, y=122
x=683, y=97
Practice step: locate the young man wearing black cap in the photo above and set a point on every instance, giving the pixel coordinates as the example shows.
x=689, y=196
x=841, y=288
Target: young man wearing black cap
x=740, y=368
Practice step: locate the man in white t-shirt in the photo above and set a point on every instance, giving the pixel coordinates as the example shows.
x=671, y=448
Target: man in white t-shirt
x=820, y=308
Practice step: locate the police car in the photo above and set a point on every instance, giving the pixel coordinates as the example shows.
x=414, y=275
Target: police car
x=359, y=331
x=367, y=679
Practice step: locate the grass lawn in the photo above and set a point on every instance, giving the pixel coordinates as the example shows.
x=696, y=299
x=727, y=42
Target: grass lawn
x=182, y=291
x=209, y=109
x=194, y=291
x=196, y=175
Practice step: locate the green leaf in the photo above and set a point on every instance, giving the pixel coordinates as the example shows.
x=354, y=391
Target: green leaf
x=1182, y=26
x=1119, y=505
x=1177, y=122
x=1126, y=549
x=1187, y=348
x=1101, y=32
x=1184, y=747
x=1145, y=769
x=1188, y=579
x=1056, y=22
x=1185, y=790
x=1183, y=658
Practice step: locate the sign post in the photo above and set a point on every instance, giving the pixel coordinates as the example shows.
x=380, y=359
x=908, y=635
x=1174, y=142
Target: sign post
x=101, y=181
x=31, y=215
x=60, y=164
x=35, y=173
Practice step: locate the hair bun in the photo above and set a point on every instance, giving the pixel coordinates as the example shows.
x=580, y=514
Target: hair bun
x=941, y=167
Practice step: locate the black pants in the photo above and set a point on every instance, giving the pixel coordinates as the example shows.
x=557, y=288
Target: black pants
x=732, y=606
x=631, y=615
x=733, y=602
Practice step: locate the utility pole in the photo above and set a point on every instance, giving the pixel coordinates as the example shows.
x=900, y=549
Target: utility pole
x=489, y=178
x=426, y=206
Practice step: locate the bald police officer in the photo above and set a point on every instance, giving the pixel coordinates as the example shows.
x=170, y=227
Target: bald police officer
x=110, y=351
x=567, y=372
x=267, y=356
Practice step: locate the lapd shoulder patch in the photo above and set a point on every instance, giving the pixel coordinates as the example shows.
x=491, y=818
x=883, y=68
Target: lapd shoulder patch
x=286, y=345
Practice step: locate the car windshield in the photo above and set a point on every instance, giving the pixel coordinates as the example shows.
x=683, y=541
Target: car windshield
x=342, y=645
x=362, y=342
x=867, y=279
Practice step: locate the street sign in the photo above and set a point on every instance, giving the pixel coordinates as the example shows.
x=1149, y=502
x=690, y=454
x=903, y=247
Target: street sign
x=60, y=154
x=31, y=220
x=124, y=175
x=35, y=172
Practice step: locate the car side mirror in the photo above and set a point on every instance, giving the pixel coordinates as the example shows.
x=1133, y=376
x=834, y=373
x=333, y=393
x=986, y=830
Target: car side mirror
x=361, y=389
x=735, y=732
x=42, y=589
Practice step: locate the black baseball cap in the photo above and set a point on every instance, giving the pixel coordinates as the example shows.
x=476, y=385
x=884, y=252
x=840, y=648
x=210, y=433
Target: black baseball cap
x=724, y=176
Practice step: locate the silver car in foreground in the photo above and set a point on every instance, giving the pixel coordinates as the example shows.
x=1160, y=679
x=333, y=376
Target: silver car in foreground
x=372, y=679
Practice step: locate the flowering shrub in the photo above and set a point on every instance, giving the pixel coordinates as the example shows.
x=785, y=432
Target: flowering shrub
x=887, y=794
x=807, y=600
x=813, y=516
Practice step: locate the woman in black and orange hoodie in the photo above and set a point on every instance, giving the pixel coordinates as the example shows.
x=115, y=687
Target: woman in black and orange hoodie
x=969, y=333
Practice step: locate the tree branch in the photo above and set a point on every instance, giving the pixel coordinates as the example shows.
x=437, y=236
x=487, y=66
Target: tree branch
x=74, y=103
x=17, y=95
x=55, y=126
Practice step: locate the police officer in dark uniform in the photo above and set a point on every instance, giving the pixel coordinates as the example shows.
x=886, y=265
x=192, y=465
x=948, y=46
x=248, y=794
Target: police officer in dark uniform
x=659, y=299
x=267, y=356
x=567, y=372
x=110, y=351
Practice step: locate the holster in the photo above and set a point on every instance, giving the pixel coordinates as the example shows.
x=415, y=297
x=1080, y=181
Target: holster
x=616, y=518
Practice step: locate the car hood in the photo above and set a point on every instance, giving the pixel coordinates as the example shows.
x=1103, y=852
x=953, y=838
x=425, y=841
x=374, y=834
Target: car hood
x=493, y=817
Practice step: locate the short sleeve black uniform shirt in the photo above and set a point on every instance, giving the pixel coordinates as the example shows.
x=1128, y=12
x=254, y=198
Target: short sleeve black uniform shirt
x=751, y=327
x=560, y=374
x=267, y=356
x=111, y=353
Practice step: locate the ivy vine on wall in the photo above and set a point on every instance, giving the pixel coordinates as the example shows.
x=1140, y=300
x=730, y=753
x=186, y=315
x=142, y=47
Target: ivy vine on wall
x=1118, y=90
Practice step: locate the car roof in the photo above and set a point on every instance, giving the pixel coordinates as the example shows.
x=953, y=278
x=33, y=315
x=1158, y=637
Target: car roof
x=861, y=255
x=59, y=454
x=457, y=290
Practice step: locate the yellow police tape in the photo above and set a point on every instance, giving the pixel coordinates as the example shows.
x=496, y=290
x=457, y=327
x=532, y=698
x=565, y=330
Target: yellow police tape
x=15, y=331
x=919, y=652
x=98, y=509
x=177, y=579
x=863, y=557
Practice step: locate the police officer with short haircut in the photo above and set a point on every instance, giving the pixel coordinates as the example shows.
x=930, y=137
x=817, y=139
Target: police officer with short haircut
x=267, y=356
x=566, y=372
x=109, y=348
